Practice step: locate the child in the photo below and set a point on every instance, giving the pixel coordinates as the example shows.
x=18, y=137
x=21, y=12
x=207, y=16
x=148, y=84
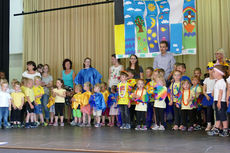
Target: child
x=123, y=100
x=182, y=68
x=17, y=105
x=40, y=68
x=197, y=90
x=51, y=106
x=105, y=94
x=140, y=97
x=97, y=102
x=59, y=94
x=112, y=104
x=228, y=94
x=76, y=105
x=160, y=93
x=150, y=87
x=175, y=98
x=38, y=93
x=220, y=102
x=197, y=72
x=148, y=74
x=187, y=106
x=170, y=77
x=5, y=105
x=132, y=83
x=208, y=98
x=11, y=89
x=30, y=98
x=86, y=109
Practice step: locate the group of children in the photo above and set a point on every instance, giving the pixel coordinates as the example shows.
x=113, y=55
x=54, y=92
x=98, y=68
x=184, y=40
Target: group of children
x=142, y=103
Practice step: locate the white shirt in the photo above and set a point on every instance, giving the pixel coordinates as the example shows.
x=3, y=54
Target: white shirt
x=30, y=76
x=159, y=104
x=220, y=85
x=4, y=99
x=228, y=80
x=115, y=75
x=209, y=85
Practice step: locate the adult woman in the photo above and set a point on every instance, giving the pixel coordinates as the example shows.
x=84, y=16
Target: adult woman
x=88, y=74
x=133, y=65
x=47, y=83
x=219, y=57
x=68, y=76
x=114, y=71
x=31, y=70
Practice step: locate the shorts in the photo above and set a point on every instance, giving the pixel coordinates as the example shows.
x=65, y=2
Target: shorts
x=97, y=113
x=38, y=109
x=59, y=109
x=106, y=112
x=28, y=109
x=52, y=109
x=77, y=113
x=221, y=115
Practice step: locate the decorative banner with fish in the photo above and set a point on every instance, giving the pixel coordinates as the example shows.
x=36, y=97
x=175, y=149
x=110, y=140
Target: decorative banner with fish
x=147, y=22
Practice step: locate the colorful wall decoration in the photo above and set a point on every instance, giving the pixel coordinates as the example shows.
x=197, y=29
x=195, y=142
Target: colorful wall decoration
x=147, y=22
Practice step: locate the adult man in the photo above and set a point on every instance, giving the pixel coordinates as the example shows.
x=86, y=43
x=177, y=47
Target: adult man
x=164, y=60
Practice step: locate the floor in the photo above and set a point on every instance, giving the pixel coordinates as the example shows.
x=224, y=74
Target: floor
x=69, y=139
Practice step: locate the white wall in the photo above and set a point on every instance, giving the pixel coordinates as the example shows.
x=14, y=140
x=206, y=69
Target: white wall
x=16, y=40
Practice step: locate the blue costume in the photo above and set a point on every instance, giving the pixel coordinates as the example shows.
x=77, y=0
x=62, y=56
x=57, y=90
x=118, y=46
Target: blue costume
x=97, y=101
x=112, y=99
x=88, y=75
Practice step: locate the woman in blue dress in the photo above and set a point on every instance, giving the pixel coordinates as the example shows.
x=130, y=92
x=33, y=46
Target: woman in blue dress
x=88, y=74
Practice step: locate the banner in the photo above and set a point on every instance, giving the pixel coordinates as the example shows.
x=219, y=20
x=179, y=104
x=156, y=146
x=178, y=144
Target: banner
x=148, y=22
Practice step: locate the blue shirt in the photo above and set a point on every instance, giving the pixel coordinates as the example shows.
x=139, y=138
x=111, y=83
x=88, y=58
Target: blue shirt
x=165, y=62
x=68, y=78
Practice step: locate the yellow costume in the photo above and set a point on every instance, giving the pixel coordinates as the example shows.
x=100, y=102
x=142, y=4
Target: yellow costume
x=77, y=100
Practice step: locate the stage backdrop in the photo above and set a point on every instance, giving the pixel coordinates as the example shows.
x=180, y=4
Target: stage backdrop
x=77, y=33
x=142, y=24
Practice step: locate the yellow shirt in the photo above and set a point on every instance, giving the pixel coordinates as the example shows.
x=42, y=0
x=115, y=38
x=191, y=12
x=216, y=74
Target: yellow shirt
x=23, y=89
x=18, y=98
x=185, y=104
x=141, y=106
x=59, y=99
x=38, y=91
x=176, y=87
x=77, y=100
x=29, y=93
x=86, y=95
x=123, y=93
x=105, y=95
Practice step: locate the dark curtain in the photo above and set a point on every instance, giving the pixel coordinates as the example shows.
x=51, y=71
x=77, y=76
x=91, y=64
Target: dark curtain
x=4, y=36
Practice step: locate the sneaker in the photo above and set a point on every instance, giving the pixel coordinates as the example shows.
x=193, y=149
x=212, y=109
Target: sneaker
x=197, y=128
x=62, y=124
x=208, y=128
x=73, y=123
x=27, y=125
x=118, y=125
x=127, y=127
x=44, y=124
x=213, y=132
x=144, y=128
x=224, y=133
x=102, y=124
x=155, y=127
x=82, y=125
x=190, y=129
x=51, y=123
x=33, y=125
x=97, y=125
x=175, y=127
x=37, y=123
x=14, y=125
x=55, y=124
x=88, y=125
x=161, y=128
x=123, y=126
x=138, y=127
x=111, y=125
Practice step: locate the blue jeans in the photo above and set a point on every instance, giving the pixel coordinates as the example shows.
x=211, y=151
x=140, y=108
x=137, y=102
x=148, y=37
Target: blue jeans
x=4, y=114
x=45, y=100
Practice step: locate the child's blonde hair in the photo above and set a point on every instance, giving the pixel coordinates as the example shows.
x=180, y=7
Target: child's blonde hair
x=161, y=78
x=88, y=84
x=195, y=77
x=4, y=81
x=184, y=81
x=13, y=82
x=98, y=85
x=17, y=83
x=28, y=80
x=37, y=78
x=79, y=87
